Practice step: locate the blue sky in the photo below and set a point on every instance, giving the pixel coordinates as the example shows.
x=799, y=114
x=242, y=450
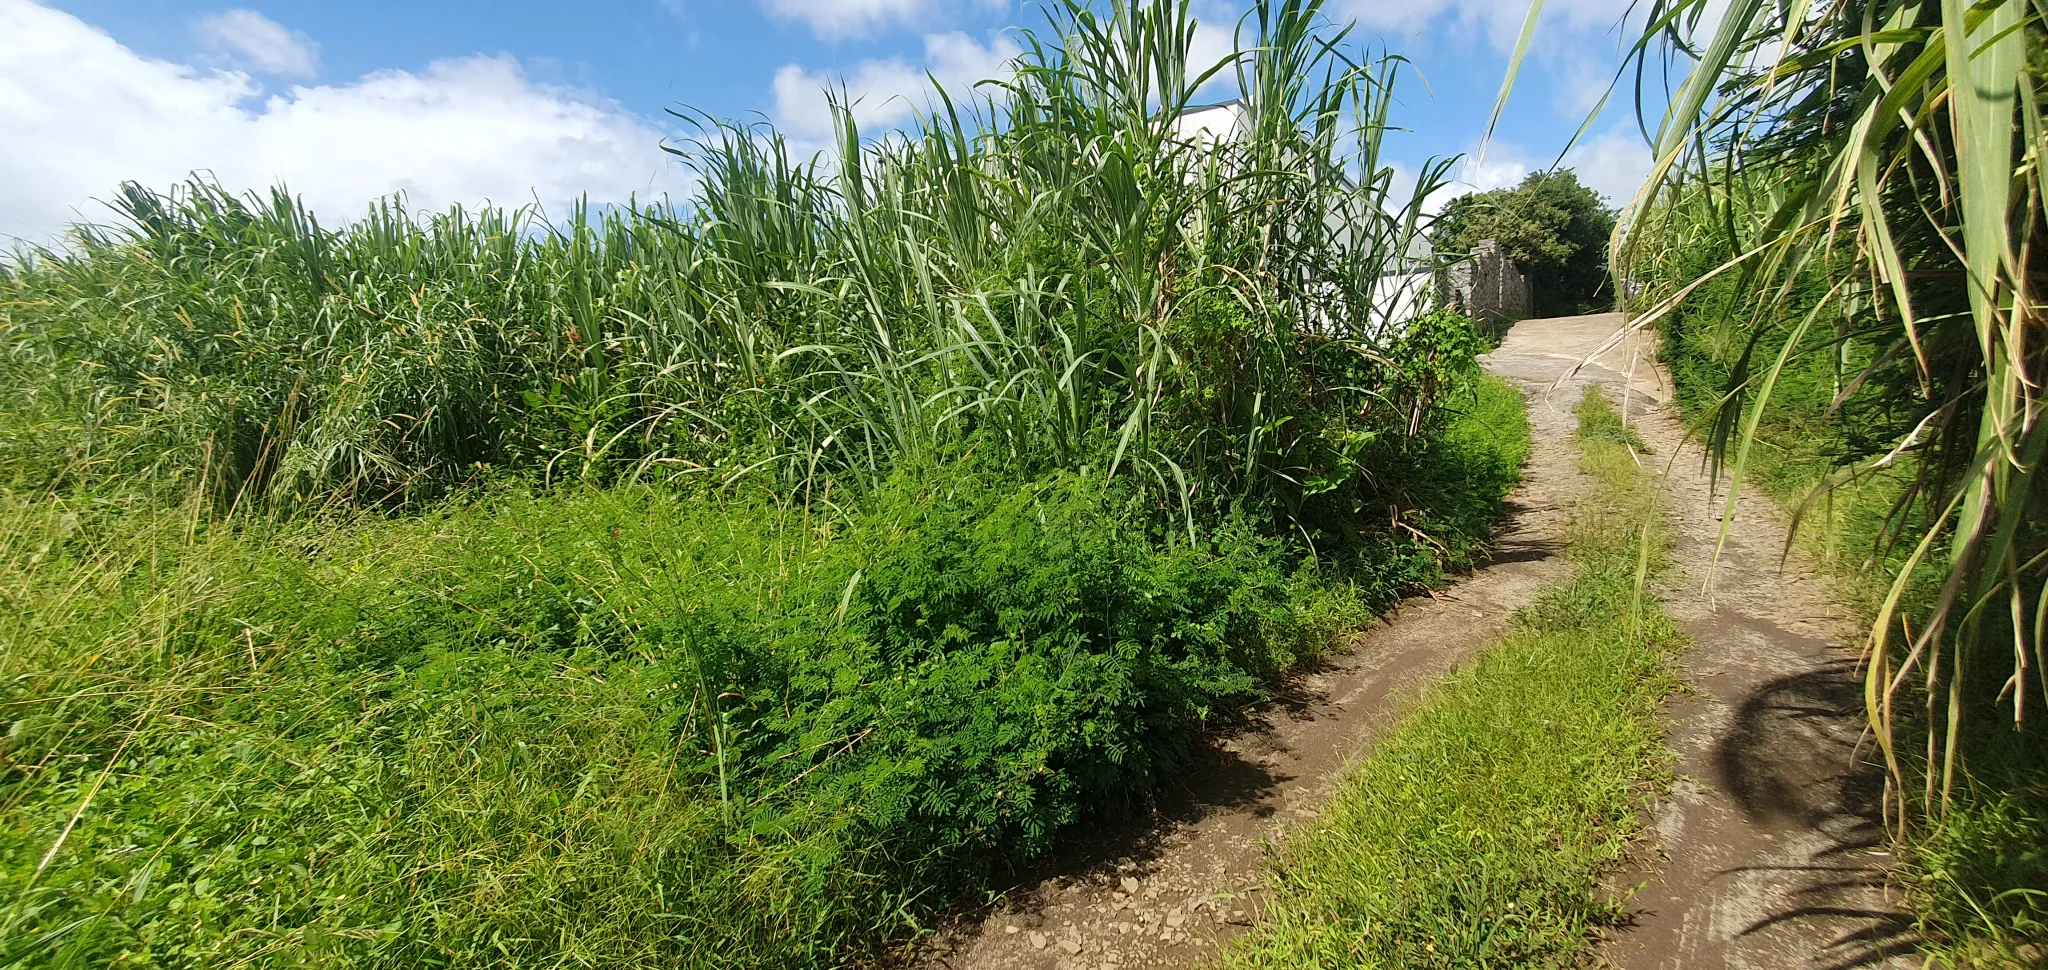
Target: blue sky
x=517, y=102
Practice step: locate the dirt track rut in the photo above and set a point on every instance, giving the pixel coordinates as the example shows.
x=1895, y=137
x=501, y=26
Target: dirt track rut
x=1769, y=851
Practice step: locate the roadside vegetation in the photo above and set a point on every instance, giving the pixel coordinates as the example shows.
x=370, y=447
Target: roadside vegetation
x=1554, y=228
x=735, y=584
x=1979, y=875
x=1841, y=246
x=1474, y=833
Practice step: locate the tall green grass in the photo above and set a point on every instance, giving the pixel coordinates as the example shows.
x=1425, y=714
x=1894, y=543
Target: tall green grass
x=1871, y=171
x=1474, y=833
x=1043, y=272
x=1842, y=236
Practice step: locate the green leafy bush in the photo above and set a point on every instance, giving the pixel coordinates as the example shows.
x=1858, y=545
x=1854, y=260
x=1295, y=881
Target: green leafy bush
x=1555, y=230
x=534, y=724
x=617, y=724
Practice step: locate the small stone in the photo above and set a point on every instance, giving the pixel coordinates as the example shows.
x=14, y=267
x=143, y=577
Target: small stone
x=1011, y=929
x=1175, y=918
x=1130, y=884
x=1038, y=940
x=1070, y=947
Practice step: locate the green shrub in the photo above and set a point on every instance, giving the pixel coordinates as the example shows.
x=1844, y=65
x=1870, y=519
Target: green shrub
x=532, y=725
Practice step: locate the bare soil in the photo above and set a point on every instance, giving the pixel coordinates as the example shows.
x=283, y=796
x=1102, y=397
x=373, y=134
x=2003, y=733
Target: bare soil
x=1767, y=853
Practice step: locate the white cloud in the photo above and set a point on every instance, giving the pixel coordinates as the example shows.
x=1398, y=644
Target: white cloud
x=83, y=113
x=1613, y=163
x=1215, y=38
x=1500, y=166
x=1570, y=60
x=259, y=42
x=1500, y=20
x=841, y=19
x=1414, y=15
x=1212, y=43
x=1403, y=187
x=885, y=92
x=1582, y=82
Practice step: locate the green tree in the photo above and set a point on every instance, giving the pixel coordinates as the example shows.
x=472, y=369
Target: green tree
x=1553, y=227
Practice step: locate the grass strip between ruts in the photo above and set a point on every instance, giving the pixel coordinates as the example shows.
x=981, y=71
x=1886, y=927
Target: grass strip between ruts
x=1474, y=834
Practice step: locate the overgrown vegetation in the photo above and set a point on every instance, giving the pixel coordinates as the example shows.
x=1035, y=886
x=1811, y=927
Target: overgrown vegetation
x=1552, y=227
x=1472, y=835
x=728, y=585
x=1842, y=243
x=618, y=725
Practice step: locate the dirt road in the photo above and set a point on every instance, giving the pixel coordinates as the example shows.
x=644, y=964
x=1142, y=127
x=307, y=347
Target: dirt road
x=1766, y=853
x=1769, y=852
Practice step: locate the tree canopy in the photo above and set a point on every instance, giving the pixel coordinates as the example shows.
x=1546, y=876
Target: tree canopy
x=1553, y=227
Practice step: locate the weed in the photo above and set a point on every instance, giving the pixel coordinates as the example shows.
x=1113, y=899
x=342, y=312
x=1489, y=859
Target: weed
x=617, y=725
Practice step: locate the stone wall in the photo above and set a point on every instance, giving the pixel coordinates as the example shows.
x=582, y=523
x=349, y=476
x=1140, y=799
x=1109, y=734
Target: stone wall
x=1487, y=287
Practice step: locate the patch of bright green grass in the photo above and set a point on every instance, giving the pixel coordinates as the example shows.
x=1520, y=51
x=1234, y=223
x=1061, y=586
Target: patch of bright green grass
x=1488, y=441
x=1473, y=834
x=1979, y=877
x=622, y=727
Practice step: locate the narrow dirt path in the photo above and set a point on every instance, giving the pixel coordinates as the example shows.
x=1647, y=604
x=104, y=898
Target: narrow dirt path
x=1168, y=890
x=1769, y=850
